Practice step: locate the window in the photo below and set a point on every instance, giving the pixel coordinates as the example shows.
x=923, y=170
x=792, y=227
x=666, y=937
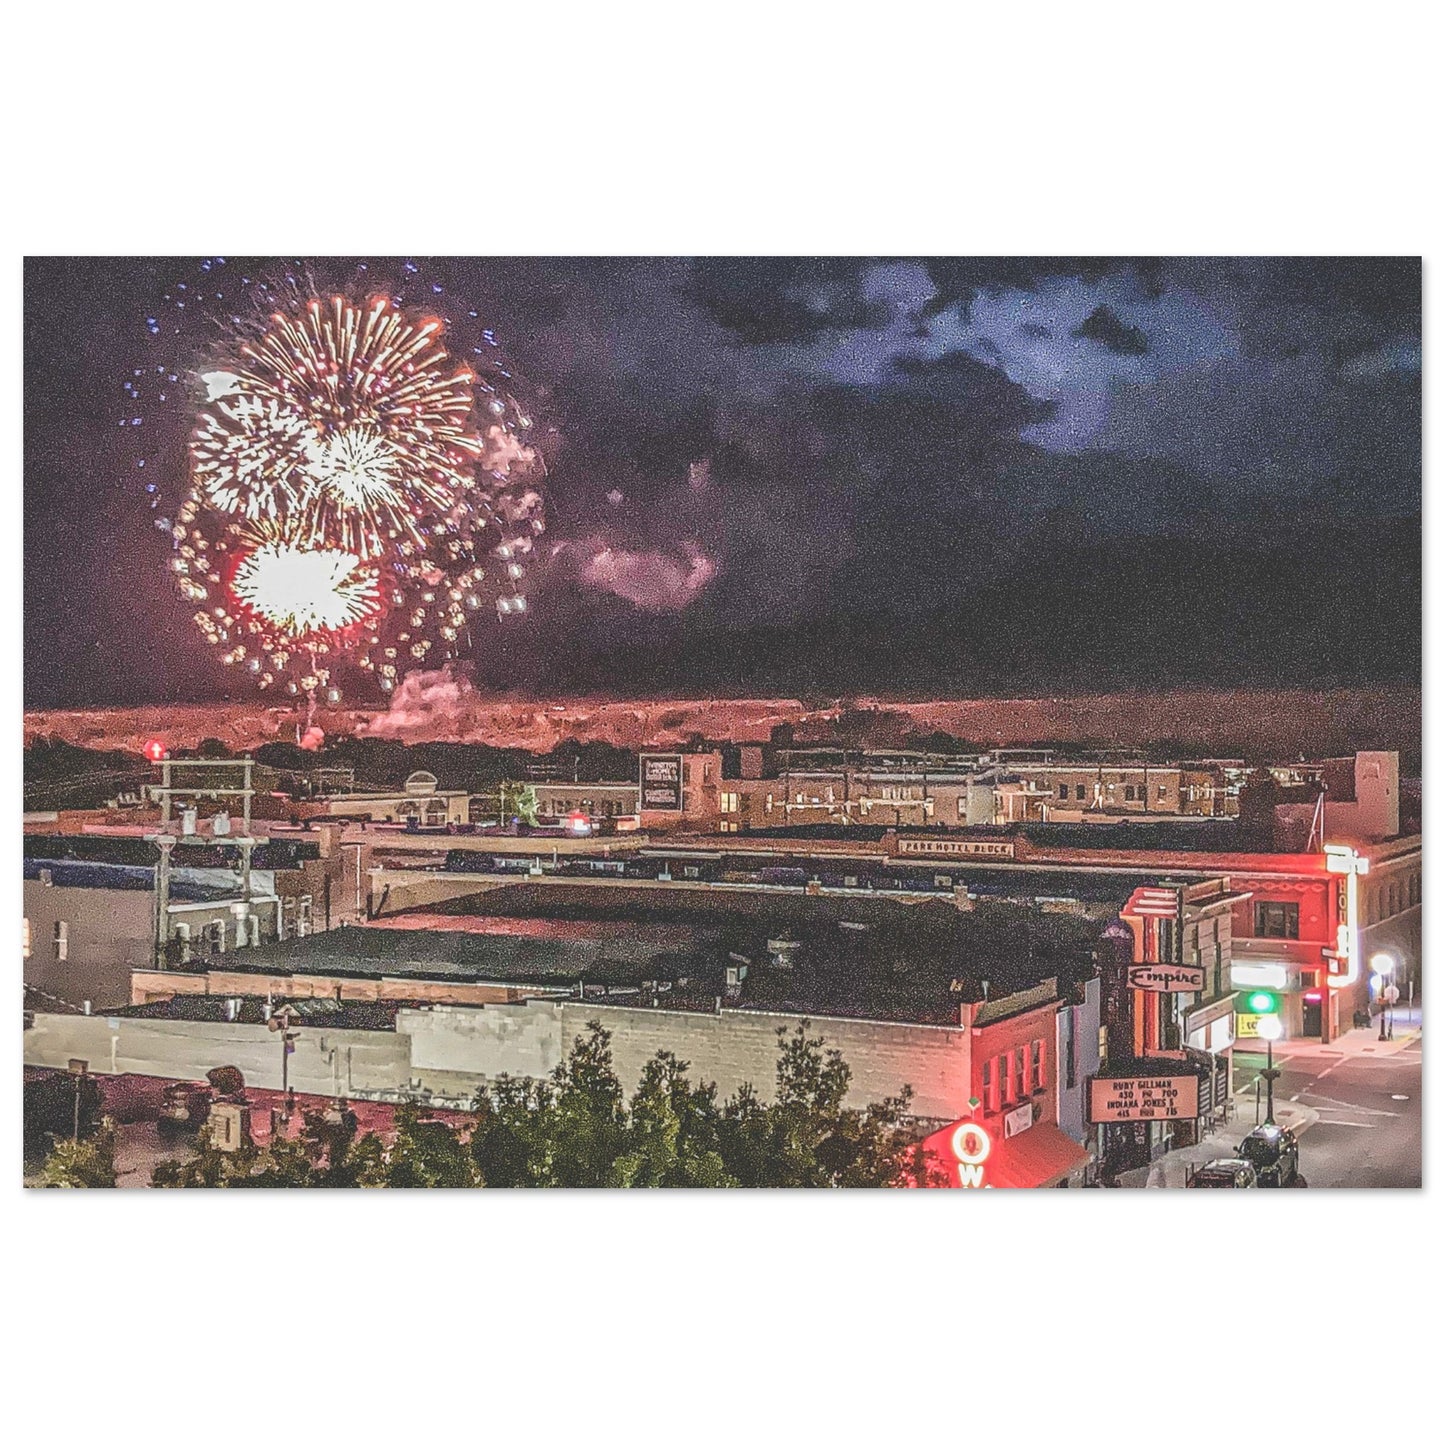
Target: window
x=1070, y=1020
x=26, y=954
x=1276, y=920
x=990, y=1085
x=1218, y=965
x=1079, y=792
x=1020, y=1073
x=1064, y=791
x=1036, y=1065
x=1163, y=790
x=730, y=802
x=62, y=941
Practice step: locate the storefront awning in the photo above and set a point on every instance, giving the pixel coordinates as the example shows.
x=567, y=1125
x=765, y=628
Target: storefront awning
x=975, y=1155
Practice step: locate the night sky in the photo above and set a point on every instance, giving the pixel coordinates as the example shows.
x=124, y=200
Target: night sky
x=838, y=476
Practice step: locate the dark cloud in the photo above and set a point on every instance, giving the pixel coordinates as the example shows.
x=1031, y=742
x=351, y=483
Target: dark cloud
x=780, y=299
x=1103, y=325
x=960, y=278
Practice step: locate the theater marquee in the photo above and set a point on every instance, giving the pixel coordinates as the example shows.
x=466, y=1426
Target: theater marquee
x=1119, y=1101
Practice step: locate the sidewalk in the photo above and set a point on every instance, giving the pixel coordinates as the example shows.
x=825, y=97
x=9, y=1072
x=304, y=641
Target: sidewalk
x=1355, y=1043
x=1171, y=1171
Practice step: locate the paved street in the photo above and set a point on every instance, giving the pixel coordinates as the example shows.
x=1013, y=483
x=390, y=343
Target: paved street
x=1368, y=1133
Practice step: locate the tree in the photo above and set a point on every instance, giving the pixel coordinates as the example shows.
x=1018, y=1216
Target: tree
x=82, y=1164
x=426, y=1155
x=576, y=1129
x=509, y=1142
x=328, y=1155
x=587, y=1124
x=673, y=1132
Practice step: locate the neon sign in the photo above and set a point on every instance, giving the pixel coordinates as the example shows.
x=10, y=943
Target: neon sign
x=1342, y=859
x=971, y=1147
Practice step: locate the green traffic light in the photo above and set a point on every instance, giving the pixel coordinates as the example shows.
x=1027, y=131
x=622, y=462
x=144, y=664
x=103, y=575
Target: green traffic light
x=1262, y=1003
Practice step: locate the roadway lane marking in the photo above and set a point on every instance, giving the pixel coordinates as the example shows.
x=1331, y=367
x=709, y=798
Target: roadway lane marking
x=1343, y=1124
x=1353, y=1108
x=1400, y=1098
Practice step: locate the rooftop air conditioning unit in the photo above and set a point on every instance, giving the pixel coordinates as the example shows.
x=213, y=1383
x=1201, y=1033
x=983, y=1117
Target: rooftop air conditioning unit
x=783, y=952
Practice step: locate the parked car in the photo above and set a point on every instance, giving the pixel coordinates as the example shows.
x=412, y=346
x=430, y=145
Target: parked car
x=1274, y=1152
x=1224, y=1174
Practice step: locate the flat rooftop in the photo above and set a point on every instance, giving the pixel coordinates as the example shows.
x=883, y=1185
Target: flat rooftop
x=850, y=957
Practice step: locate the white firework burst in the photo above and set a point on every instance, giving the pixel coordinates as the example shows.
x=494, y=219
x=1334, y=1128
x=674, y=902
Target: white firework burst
x=300, y=590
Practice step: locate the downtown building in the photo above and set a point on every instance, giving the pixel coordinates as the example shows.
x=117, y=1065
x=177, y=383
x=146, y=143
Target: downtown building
x=999, y=1004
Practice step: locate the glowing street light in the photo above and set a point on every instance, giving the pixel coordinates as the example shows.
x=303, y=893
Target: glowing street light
x=1270, y=1029
x=1383, y=965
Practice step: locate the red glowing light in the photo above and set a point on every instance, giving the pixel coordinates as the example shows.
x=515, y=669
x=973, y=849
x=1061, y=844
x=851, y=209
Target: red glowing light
x=155, y=750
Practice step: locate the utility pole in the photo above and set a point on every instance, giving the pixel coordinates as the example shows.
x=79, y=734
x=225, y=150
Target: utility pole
x=78, y=1069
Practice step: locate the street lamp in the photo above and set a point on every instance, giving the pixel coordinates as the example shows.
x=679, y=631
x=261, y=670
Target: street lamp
x=1383, y=965
x=1270, y=1029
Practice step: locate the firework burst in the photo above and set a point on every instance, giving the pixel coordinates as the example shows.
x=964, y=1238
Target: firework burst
x=356, y=494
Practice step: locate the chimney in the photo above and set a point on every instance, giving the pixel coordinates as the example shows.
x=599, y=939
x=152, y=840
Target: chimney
x=1377, y=794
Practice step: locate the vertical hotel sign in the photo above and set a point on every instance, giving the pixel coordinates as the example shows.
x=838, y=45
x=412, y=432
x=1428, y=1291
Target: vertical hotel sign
x=660, y=782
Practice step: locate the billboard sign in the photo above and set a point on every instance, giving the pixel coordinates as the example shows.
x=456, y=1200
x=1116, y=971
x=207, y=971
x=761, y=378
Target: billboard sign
x=661, y=782
x=1166, y=977
x=1118, y=1101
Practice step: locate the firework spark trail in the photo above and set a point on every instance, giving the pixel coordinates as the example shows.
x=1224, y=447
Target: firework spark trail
x=352, y=494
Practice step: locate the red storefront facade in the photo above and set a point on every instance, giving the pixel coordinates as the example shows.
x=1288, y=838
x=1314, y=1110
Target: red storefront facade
x=1010, y=1137
x=1306, y=925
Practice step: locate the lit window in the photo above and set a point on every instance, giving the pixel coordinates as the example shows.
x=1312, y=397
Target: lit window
x=62, y=941
x=730, y=802
x=1276, y=920
x=27, y=939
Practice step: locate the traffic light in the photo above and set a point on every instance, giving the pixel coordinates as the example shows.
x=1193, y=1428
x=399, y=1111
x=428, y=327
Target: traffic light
x=1261, y=1001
